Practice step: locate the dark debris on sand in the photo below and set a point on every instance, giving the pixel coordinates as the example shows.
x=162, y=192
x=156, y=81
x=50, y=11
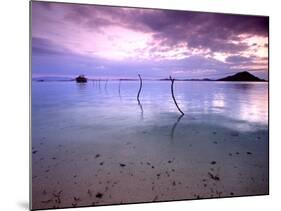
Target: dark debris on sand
x=89, y=193
x=76, y=198
x=57, y=197
x=214, y=177
x=99, y=195
x=47, y=201
x=122, y=164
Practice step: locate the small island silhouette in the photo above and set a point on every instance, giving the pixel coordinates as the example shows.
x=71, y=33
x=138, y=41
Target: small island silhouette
x=241, y=76
x=81, y=79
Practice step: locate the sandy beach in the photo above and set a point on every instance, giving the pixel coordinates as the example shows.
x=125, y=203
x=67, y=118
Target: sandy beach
x=150, y=162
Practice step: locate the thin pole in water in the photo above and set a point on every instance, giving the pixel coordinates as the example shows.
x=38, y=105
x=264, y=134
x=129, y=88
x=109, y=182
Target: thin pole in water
x=172, y=90
x=119, y=87
x=139, y=88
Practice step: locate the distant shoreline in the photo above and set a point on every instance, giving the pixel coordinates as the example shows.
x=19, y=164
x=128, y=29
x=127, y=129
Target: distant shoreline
x=240, y=76
x=201, y=80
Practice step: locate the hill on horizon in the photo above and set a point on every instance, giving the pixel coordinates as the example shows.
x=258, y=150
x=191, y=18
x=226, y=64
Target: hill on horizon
x=241, y=76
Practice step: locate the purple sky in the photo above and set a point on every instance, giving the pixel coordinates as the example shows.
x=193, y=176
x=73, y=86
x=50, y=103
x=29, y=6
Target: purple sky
x=114, y=42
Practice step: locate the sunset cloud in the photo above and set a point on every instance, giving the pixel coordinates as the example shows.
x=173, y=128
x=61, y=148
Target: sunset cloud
x=163, y=41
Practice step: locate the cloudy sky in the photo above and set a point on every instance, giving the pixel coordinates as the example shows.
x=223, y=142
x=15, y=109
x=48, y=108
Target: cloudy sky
x=114, y=42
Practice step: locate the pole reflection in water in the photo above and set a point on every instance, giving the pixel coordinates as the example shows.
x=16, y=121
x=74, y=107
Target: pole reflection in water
x=140, y=105
x=119, y=89
x=175, y=126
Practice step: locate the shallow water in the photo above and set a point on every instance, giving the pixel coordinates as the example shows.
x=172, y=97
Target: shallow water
x=93, y=144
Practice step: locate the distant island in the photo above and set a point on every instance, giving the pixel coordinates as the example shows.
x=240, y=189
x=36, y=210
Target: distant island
x=81, y=79
x=241, y=76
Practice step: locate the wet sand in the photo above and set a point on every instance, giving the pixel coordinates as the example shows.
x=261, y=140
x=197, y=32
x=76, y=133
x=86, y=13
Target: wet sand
x=187, y=159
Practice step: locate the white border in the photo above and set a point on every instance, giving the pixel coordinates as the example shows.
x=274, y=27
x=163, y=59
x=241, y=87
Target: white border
x=14, y=110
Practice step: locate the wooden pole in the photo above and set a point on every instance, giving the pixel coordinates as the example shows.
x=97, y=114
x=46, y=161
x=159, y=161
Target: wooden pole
x=119, y=87
x=172, y=90
x=139, y=88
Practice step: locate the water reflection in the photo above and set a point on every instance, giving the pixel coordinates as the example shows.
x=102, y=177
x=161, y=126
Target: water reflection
x=74, y=122
x=247, y=102
x=82, y=87
x=174, y=127
x=119, y=89
x=141, y=109
x=244, y=86
x=251, y=111
x=218, y=100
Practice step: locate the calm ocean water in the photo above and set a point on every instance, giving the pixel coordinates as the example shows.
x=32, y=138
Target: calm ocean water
x=59, y=105
x=218, y=148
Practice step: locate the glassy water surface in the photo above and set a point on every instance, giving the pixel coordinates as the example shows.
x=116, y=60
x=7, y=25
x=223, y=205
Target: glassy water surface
x=79, y=104
x=82, y=133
